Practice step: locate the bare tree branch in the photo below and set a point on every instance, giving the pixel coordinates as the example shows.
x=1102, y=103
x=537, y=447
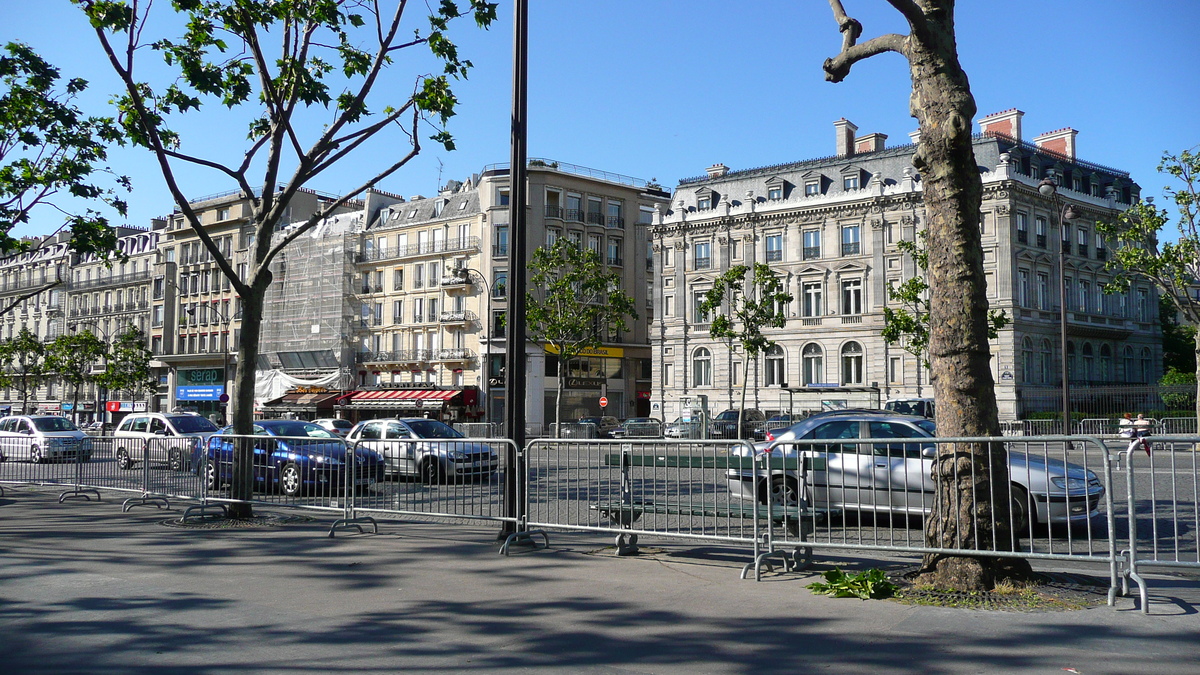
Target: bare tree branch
x=837, y=68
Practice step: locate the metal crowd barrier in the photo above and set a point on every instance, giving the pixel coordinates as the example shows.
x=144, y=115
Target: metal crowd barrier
x=643, y=430
x=1178, y=425
x=477, y=429
x=1162, y=507
x=457, y=479
x=674, y=489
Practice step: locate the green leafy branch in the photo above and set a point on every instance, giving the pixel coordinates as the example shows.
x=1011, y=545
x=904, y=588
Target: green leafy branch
x=871, y=584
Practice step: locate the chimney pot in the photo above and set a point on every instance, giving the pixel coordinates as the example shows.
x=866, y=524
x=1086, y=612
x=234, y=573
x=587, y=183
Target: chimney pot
x=717, y=170
x=844, y=131
x=1005, y=123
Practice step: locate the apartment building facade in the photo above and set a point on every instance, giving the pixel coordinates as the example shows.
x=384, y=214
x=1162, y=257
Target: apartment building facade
x=830, y=227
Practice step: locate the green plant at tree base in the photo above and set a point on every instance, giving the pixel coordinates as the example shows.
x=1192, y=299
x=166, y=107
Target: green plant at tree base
x=870, y=584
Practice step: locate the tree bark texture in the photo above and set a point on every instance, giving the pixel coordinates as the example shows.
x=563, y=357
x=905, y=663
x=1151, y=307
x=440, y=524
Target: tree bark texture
x=971, y=508
x=242, y=487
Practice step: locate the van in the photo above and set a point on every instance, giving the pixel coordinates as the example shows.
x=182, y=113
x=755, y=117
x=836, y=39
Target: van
x=921, y=407
x=169, y=437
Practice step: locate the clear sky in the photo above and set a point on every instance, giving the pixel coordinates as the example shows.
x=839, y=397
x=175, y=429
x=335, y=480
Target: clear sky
x=657, y=89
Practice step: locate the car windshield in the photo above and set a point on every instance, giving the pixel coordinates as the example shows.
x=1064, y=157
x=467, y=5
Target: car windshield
x=589, y=420
x=298, y=430
x=927, y=425
x=54, y=424
x=728, y=415
x=432, y=429
x=340, y=424
x=191, y=424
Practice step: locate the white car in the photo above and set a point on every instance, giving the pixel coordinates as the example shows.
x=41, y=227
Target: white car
x=170, y=437
x=43, y=438
x=336, y=425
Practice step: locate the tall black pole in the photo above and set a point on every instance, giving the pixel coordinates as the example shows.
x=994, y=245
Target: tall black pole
x=514, y=358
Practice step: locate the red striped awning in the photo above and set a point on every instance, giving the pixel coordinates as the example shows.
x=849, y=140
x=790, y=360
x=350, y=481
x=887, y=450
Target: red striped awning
x=404, y=395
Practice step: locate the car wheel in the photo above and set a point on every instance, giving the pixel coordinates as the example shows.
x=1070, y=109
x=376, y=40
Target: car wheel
x=35, y=455
x=431, y=472
x=124, y=461
x=209, y=470
x=1019, y=510
x=175, y=460
x=290, y=481
x=782, y=491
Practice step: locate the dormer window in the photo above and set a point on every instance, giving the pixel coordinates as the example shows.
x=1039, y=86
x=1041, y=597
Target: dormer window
x=776, y=188
x=851, y=178
x=812, y=187
x=705, y=199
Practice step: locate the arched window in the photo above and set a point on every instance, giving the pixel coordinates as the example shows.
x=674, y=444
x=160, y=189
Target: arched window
x=852, y=363
x=775, y=367
x=702, y=368
x=1046, y=356
x=1071, y=375
x=1089, y=361
x=1027, y=372
x=1146, y=365
x=1130, y=373
x=814, y=364
x=1106, y=373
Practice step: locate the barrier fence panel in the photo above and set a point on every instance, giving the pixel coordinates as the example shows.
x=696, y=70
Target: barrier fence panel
x=36, y=459
x=1162, y=479
x=1178, y=426
x=298, y=471
x=477, y=429
x=643, y=430
x=638, y=487
x=439, y=478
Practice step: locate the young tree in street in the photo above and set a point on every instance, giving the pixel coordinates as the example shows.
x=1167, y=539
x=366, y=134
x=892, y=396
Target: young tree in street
x=907, y=324
x=24, y=359
x=128, y=365
x=739, y=313
x=50, y=150
x=971, y=508
x=71, y=357
x=1139, y=252
x=310, y=76
x=580, y=303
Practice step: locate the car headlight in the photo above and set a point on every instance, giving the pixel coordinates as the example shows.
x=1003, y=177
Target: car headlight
x=1069, y=483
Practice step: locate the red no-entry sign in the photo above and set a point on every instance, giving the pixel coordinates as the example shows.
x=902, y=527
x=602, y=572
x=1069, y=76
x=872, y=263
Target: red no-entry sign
x=603, y=401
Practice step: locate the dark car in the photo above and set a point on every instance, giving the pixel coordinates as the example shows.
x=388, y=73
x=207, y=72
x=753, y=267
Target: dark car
x=605, y=425
x=292, y=457
x=725, y=425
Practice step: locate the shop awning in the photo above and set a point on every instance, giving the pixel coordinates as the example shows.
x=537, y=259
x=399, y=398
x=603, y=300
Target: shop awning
x=301, y=401
x=401, y=397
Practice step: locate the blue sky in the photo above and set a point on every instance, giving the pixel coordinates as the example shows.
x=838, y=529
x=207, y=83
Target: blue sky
x=657, y=89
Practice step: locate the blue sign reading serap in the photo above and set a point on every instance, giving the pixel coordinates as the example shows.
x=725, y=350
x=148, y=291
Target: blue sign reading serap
x=209, y=393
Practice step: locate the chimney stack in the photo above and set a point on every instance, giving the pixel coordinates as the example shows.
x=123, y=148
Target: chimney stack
x=845, y=131
x=1005, y=123
x=869, y=143
x=1061, y=141
x=717, y=170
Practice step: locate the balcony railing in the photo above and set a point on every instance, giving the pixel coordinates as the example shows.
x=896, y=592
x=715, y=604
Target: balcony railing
x=1083, y=250
x=575, y=215
x=1023, y=236
x=812, y=252
x=1066, y=247
x=456, y=354
x=1040, y=241
x=851, y=248
x=774, y=256
x=499, y=250
x=595, y=218
x=1101, y=254
x=426, y=248
x=114, y=280
x=703, y=263
x=615, y=261
x=615, y=223
x=458, y=316
x=554, y=212
x=397, y=356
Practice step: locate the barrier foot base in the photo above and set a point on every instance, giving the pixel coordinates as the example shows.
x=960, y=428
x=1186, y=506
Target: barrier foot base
x=799, y=558
x=356, y=523
x=79, y=493
x=524, y=539
x=204, y=510
x=145, y=500
x=627, y=544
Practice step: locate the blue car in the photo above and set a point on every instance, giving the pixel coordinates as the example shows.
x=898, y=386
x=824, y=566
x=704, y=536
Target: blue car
x=292, y=457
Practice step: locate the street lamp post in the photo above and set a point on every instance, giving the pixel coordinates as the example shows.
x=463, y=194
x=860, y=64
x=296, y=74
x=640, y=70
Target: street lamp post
x=1049, y=188
x=225, y=319
x=101, y=390
x=464, y=273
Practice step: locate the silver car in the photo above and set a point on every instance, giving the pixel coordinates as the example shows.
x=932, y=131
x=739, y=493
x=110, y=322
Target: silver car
x=425, y=448
x=893, y=473
x=43, y=438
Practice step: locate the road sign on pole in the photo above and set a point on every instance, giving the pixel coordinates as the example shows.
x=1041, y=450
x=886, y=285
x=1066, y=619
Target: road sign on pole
x=603, y=401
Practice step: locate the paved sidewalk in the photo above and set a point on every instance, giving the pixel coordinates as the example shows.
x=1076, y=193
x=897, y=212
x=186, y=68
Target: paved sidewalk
x=85, y=588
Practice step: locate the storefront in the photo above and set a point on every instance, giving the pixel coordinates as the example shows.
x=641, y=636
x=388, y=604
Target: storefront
x=304, y=403
x=202, y=391
x=447, y=405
